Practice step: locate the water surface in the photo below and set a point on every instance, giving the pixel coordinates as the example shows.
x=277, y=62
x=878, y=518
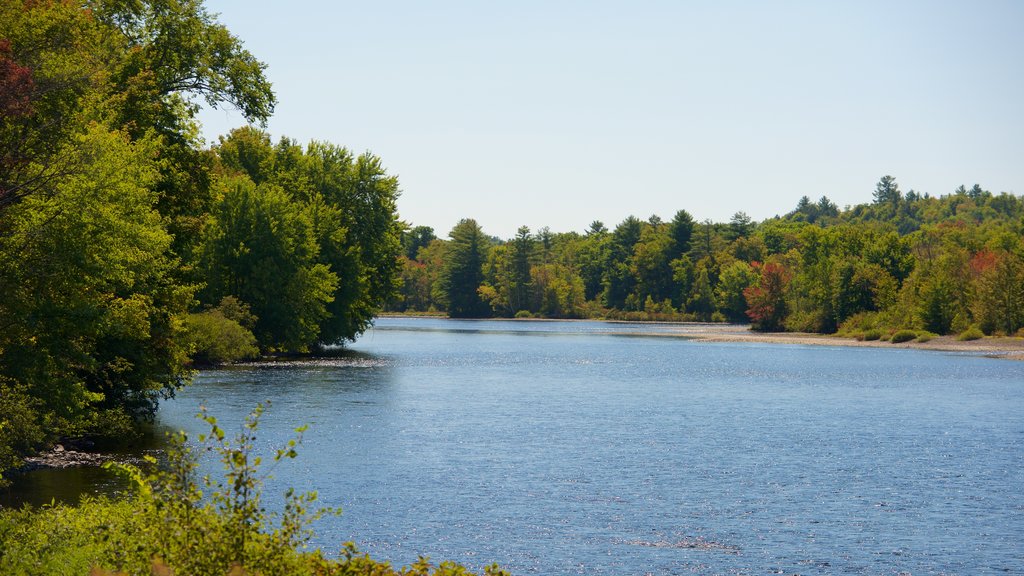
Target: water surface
x=598, y=448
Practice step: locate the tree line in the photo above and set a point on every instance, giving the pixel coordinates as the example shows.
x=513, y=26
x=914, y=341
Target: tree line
x=934, y=264
x=129, y=249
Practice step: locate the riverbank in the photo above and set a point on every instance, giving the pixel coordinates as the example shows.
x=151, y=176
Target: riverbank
x=997, y=347
x=1008, y=348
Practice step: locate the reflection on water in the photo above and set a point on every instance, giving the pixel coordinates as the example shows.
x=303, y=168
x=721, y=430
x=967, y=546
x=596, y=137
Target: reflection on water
x=59, y=485
x=584, y=452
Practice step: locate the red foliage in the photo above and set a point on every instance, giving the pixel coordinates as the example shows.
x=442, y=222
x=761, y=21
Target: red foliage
x=767, y=299
x=15, y=84
x=984, y=260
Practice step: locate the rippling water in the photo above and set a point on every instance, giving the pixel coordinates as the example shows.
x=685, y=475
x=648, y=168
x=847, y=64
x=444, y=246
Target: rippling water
x=595, y=448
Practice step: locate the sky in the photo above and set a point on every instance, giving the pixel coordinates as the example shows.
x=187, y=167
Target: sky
x=558, y=113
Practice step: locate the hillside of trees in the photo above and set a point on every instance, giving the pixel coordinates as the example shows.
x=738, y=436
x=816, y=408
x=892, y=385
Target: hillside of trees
x=130, y=250
x=908, y=261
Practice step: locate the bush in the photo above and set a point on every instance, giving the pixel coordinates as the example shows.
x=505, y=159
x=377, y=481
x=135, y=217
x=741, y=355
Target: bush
x=925, y=336
x=972, y=333
x=524, y=314
x=859, y=323
x=216, y=339
x=168, y=526
x=903, y=336
x=873, y=334
x=20, y=429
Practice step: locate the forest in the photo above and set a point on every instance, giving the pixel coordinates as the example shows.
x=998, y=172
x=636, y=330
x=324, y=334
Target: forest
x=948, y=264
x=130, y=251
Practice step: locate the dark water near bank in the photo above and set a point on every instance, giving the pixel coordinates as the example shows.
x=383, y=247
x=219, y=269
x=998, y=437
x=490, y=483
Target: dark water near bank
x=590, y=448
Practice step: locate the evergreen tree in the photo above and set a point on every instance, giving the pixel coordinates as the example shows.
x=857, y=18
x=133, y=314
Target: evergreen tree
x=463, y=271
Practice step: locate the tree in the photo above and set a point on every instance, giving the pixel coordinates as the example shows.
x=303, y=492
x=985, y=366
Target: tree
x=463, y=271
x=681, y=230
x=999, y=285
x=90, y=337
x=261, y=247
x=618, y=278
x=767, y=299
x=702, y=298
x=175, y=47
x=887, y=191
x=417, y=238
x=729, y=298
x=740, y=226
x=651, y=264
x=520, y=282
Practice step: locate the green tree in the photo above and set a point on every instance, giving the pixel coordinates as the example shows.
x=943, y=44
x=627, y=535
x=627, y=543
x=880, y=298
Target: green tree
x=887, y=191
x=681, y=230
x=734, y=279
x=261, y=247
x=462, y=274
x=418, y=237
x=520, y=283
x=92, y=336
x=999, y=286
x=618, y=280
x=740, y=226
x=651, y=263
x=702, y=298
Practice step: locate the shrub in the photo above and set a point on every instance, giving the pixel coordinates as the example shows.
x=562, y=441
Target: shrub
x=972, y=333
x=524, y=314
x=216, y=339
x=20, y=429
x=873, y=334
x=168, y=526
x=903, y=336
x=859, y=323
x=925, y=336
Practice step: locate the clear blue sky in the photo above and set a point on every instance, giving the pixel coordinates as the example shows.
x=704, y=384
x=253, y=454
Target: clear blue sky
x=557, y=113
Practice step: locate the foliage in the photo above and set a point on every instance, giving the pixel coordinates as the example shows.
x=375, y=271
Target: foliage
x=261, y=246
x=216, y=338
x=911, y=261
x=93, y=334
x=767, y=298
x=176, y=523
x=901, y=336
x=342, y=229
x=462, y=275
x=972, y=333
x=113, y=216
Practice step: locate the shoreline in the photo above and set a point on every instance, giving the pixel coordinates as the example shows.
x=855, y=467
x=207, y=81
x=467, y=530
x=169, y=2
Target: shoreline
x=1009, y=348
x=991, y=347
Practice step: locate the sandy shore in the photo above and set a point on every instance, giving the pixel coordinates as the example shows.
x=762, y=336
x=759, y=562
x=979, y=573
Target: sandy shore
x=1009, y=348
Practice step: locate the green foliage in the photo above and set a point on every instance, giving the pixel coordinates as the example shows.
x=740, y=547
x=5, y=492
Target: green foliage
x=218, y=339
x=92, y=313
x=175, y=523
x=901, y=336
x=972, y=333
x=925, y=336
x=462, y=275
x=20, y=430
x=734, y=279
x=112, y=216
x=873, y=334
x=261, y=247
x=349, y=206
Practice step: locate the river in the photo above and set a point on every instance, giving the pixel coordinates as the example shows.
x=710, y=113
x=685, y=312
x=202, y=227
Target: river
x=602, y=448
